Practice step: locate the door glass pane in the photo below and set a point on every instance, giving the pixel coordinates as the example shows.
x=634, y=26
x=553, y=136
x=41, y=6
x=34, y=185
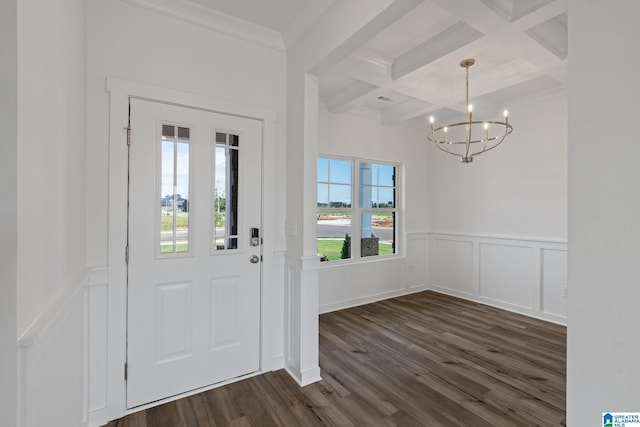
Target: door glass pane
x=174, y=190
x=226, y=189
x=168, y=130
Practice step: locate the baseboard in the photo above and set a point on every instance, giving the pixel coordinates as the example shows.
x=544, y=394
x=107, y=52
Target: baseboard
x=305, y=378
x=98, y=417
x=277, y=363
x=507, y=307
x=354, y=302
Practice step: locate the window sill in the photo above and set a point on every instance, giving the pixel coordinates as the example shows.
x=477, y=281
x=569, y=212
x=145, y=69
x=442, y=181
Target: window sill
x=361, y=260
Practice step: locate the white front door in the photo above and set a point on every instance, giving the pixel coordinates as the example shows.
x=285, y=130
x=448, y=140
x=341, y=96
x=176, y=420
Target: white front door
x=193, y=249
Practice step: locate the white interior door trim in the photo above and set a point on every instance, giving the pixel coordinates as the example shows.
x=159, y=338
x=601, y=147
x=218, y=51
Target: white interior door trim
x=119, y=93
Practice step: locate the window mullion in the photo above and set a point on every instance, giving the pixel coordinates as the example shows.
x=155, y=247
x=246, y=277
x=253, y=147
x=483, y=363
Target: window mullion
x=356, y=221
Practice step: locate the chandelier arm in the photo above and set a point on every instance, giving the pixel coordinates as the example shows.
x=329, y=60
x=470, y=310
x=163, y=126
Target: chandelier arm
x=486, y=140
x=445, y=149
x=443, y=146
x=508, y=130
x=469, y=127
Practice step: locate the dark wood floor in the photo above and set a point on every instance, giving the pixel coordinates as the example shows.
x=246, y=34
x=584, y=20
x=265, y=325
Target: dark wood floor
x=421, y=360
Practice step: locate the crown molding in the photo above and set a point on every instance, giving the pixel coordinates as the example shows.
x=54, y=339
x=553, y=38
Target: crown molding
x=214, y=20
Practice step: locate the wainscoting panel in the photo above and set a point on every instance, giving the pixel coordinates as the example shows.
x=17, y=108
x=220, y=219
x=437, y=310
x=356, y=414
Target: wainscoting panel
x=417, y=246
x=52, y=363
x=501, y=274
x=98, y=350
x=453, y=264
x=520, y=275
x=554, y=280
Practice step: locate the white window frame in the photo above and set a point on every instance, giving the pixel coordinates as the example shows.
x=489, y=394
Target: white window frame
x=356, y=210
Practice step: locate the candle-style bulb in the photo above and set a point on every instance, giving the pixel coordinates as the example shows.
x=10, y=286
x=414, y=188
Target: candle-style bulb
x=486, y=126
x=431, y=119
x=506, y=113
x=470, y=108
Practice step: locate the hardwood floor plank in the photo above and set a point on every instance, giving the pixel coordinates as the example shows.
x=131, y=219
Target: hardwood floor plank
x=287, y=394
x=425, y=359
x=202, y=411
x=164, y=416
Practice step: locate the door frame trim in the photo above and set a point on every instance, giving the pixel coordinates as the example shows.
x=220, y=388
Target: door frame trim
x=120, y=91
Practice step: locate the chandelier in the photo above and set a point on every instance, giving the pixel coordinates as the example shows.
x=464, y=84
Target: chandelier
x=472, y=137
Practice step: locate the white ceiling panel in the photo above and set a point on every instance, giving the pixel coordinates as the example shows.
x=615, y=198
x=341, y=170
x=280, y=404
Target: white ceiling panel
x=388, y=101
x=512, y=10
x=423, y=23
x=405, y=64
x=536, y=85
x=553, y=35
x=331, y=83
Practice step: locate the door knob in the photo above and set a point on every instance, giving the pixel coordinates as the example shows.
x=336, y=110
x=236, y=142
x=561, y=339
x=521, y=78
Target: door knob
x=254, y=259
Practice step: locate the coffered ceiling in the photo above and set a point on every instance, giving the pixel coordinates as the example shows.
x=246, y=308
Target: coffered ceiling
x=410, y=68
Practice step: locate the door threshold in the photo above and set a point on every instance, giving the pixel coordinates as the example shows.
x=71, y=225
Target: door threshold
x=155, y=403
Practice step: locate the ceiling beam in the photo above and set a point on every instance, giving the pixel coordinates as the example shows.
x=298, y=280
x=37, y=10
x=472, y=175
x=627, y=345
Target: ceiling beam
x=367, y=66
x=383, y=20
x=406, y=111
x=355, y=94
x=450, y=39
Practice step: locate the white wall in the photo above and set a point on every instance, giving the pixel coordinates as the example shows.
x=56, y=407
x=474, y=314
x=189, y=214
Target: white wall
x=517, y=190
x=51, y=94
x=347, y=284
x=604, y=148
x=50, y=210
x=9, y=213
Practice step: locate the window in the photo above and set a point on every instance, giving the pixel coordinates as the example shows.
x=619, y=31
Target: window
x=366, y=227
